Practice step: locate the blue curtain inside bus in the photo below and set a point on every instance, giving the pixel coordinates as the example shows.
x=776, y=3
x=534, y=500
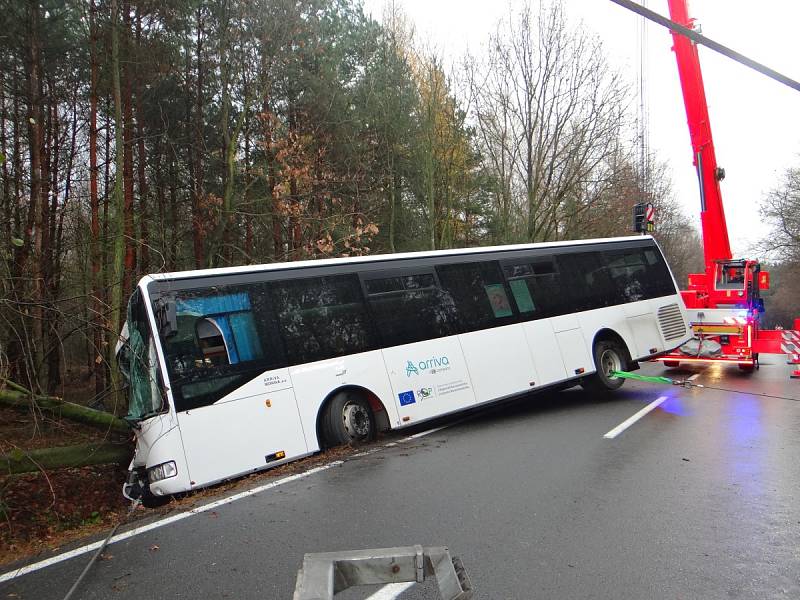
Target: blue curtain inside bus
x=231, y=314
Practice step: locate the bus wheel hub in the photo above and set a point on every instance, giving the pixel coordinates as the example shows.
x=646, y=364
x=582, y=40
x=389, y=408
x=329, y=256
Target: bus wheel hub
x=356, y=420
x=609, y=362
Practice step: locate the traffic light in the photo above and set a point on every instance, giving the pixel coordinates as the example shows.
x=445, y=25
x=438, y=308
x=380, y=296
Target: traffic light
x=644, y=218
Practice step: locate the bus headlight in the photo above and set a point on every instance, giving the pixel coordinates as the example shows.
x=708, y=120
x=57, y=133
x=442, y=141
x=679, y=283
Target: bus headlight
x=162, y=471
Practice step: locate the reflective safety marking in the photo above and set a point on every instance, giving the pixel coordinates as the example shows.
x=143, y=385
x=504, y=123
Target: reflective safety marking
x=733, y=320
x=631, y=420
x=391, y=591
x=791, y=336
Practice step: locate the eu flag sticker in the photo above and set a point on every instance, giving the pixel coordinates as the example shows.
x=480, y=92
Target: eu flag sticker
x=406, y=398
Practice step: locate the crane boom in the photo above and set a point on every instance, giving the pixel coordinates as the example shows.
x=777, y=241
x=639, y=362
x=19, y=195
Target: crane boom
x=716, y=246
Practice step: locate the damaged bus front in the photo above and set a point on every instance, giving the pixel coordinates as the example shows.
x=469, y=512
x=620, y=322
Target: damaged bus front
x=158, y=468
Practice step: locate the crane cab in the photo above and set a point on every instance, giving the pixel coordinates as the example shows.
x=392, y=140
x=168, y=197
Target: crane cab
x=738, y=284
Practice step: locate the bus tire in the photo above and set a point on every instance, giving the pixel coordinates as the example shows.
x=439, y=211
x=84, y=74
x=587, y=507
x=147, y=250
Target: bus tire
x=608, y=356
x=347, y=419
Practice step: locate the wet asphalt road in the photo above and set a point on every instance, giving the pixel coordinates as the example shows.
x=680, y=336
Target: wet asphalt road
x=699, y=499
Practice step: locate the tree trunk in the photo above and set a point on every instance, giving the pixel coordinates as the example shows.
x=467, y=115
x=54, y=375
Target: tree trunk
x=158, y=159
x=116, y=303
x=6, y=194
x=277, y=209
x=144, y=226
x=393, y=185
x=64, y=457
x=106, y=247
x=96, y=419
x=248, y=218
x=173, y=218
x=94, y=203
x=35, y=226
x=16, y=356
x=229, y=144
x=127, y=163
x=198, y=200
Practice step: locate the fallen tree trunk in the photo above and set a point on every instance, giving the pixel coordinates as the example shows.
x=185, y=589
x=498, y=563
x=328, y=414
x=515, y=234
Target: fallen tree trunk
x=67, y=410
x=63, y=457
x=14, y=386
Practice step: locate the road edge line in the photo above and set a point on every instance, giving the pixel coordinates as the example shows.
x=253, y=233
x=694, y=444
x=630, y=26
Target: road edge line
x=633, y=418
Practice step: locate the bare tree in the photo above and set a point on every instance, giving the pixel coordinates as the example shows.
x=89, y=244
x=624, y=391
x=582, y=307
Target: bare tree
x=781, y=209
x=550, y=112
x=490, y=96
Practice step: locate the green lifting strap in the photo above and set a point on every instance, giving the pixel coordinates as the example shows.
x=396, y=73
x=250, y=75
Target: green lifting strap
x=653, y=379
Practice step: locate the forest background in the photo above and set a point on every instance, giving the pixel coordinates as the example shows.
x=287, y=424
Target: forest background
x=139, y=136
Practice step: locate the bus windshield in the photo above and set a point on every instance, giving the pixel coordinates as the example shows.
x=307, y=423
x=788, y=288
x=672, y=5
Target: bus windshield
x=139, y=363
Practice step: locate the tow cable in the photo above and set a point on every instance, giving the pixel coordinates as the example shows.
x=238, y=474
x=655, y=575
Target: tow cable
x=690, y=384
x=102, y=547
x=654, y=379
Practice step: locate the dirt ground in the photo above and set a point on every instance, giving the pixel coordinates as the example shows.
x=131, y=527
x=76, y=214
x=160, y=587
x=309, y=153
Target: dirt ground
x=40, y=512
x=38, y=509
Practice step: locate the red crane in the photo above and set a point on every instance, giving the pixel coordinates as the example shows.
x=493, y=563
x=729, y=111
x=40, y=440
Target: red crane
x=724, y=302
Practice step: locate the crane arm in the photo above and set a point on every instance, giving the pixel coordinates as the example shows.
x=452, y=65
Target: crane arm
x=716, y=245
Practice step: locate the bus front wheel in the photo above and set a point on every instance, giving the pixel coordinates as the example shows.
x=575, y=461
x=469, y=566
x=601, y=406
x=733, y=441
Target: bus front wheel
x=347, y=419
x=608, y=356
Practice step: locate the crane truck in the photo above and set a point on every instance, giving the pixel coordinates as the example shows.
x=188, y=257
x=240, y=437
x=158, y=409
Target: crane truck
x=724, y=302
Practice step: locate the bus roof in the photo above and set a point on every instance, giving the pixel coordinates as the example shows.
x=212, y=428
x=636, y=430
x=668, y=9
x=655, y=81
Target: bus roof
x=321, y=262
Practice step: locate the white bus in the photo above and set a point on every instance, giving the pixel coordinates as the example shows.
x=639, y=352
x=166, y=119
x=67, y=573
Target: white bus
x=239, y=369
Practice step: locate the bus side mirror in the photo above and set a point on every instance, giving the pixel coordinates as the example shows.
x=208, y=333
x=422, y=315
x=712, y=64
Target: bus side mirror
x=763, y=280
x=167, y=317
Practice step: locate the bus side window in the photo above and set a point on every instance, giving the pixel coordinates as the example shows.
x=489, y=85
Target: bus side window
x=629, y=273
x=410, y=308
x=216, y=346
x=321, y=317
x=587, y=280
x=480, y=293
x=536, y=288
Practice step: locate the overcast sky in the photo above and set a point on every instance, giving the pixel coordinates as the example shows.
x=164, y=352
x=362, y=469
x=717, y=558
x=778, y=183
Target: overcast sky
x=754, y=119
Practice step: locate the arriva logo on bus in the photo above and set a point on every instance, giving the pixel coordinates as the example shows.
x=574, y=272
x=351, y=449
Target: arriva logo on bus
x=413, y=368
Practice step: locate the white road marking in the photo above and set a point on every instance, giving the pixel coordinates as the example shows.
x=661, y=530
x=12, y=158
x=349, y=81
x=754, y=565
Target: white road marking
x=201, y=509
x=391, y=591
x=416, y=436
x=693, y=377
x=631, y=420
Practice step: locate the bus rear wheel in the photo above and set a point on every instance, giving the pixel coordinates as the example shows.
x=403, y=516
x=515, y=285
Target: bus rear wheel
x=347, y=419
x=608, y=356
